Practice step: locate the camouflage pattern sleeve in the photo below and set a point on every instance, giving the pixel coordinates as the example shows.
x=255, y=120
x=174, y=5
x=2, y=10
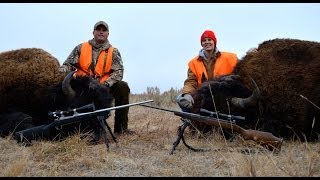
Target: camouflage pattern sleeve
x=190, y=84
x=117, y=68
x=71, y=62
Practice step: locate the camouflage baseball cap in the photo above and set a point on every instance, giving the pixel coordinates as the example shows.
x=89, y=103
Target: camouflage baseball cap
x=101, y=23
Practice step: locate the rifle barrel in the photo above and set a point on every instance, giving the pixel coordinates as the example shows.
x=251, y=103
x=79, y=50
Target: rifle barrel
x=154, y=107
x=107, y=109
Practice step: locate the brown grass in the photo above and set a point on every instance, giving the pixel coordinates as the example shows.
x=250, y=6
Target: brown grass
x=146, y=153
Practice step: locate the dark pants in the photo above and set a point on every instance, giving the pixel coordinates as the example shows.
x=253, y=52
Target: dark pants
x=120, y=91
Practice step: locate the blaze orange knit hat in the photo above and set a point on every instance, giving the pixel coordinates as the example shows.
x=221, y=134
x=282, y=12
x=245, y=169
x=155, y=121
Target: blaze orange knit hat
x=208, y=34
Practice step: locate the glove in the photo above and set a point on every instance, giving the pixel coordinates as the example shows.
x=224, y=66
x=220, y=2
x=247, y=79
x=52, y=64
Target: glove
x=185, y=101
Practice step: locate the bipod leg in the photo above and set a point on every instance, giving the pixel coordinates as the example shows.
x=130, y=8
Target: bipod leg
x=181, y=129
x=184, y=141
x=193, y=149
x=110, y=131
x=102, y=125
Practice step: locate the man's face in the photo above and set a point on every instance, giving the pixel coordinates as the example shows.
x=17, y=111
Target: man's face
x=207, y=44
x=100, y=34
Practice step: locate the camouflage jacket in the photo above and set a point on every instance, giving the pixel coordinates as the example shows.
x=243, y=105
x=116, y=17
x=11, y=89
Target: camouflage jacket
x=117, y=69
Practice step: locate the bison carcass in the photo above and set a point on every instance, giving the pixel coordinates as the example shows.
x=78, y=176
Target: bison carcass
x=284, y=70
x=31, y=86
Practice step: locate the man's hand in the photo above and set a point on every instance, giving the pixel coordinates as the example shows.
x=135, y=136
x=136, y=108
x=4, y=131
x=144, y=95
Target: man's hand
x=185, y=100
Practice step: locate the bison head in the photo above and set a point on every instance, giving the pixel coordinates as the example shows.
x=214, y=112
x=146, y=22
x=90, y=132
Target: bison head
x=228, y=95
x=78, y=91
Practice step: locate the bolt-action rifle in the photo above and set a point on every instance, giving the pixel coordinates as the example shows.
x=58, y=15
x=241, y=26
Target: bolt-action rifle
x=76, y=115
x=265, y=139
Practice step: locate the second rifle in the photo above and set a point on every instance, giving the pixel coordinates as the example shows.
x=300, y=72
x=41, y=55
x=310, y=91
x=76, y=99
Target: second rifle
x=265, y=139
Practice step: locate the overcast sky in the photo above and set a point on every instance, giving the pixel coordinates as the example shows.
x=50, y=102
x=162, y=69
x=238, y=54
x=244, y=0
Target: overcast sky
x=156, y=40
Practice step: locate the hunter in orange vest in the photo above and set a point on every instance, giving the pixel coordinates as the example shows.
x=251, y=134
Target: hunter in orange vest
x=97, y=58
x=103, y=65
x=209, y=63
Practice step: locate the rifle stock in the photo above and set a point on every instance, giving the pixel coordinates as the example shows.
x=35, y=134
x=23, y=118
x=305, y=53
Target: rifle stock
x=265, y=139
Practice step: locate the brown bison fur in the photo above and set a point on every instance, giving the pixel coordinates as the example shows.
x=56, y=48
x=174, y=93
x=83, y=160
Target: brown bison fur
x=25, y=74
x=283, y=69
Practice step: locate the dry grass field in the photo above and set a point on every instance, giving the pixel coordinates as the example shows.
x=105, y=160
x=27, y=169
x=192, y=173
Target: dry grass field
x=146, y=153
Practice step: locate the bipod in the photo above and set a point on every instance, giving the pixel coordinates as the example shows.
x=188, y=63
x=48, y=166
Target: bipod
x=103, y=124
x=181, y=129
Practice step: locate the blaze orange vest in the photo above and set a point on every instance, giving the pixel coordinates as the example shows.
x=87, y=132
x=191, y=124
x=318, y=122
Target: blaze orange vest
x=223, y=65
x=103, y=65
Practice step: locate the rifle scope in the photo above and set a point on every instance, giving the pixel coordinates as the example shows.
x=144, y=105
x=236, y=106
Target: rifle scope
x=223, y=116
x=82, y=109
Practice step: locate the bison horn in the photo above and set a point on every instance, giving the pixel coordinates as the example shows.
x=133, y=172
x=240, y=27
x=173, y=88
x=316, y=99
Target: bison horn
x=249, y=101
x=66, y=86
